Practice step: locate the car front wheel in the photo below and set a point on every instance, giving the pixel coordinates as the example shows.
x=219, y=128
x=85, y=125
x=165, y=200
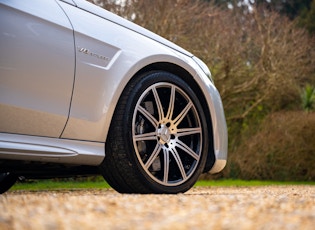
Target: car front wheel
x=158, y=139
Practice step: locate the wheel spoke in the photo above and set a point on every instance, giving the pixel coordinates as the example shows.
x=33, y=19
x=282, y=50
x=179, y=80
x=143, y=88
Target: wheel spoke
x=179, y=163
x=182, y=115
x=158, y=104
x=145, y=136
x=188, y=131
x=166, y=165
x=148, y=116
x=171, y=104
x=153, y=156
x=188, y=150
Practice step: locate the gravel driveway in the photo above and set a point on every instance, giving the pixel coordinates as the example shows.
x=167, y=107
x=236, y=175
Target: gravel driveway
x=263, y=207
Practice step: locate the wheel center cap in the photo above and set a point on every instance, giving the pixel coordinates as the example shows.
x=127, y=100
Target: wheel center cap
x=164, y=133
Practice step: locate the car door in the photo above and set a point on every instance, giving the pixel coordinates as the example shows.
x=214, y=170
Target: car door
x=37, y=63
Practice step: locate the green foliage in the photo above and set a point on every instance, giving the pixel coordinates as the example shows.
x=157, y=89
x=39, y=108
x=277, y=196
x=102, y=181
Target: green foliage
x=308, y=98
x=301, y=10
x=290, y=8
x=306, y=18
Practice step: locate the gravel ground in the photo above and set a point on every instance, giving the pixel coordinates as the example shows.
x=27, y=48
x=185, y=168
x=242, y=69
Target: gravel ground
x=263, y=207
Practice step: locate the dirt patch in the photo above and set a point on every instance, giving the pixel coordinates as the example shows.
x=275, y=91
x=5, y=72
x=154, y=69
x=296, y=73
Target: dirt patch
x=275, y=207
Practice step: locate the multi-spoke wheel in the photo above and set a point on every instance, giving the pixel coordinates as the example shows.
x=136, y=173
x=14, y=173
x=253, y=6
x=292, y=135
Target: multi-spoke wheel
x=158, y=138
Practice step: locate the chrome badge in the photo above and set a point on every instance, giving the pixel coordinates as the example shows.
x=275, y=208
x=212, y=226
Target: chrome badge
x=92, y=54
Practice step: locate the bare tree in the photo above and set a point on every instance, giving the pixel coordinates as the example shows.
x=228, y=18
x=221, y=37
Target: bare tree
x=258, y=59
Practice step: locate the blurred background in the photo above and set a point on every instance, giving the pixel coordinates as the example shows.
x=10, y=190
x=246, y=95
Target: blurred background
x=262, y=57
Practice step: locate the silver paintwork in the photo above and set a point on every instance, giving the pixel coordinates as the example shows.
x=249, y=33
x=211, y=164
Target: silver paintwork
x=62, y=72
x=22, y=147
x=37, y=57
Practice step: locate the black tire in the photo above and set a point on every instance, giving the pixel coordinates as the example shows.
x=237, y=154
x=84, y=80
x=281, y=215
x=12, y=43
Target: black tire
x=158, y=138
x=7, y=180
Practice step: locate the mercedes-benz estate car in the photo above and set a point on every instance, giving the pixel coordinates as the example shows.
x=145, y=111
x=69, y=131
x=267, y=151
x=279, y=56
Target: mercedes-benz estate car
x=86, y=92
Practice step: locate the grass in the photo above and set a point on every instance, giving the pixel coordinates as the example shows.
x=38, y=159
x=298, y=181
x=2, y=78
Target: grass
x=38, y=185
x=231, y=182
x=53, y=185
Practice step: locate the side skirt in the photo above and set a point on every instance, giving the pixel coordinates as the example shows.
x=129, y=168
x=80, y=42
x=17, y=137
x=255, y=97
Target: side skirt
x=53, y=150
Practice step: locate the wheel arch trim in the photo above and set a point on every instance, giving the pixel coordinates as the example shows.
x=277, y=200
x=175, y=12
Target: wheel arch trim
x=211, y=103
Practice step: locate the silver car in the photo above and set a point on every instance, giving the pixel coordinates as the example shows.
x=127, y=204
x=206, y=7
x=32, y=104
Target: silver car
x=84, y=92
